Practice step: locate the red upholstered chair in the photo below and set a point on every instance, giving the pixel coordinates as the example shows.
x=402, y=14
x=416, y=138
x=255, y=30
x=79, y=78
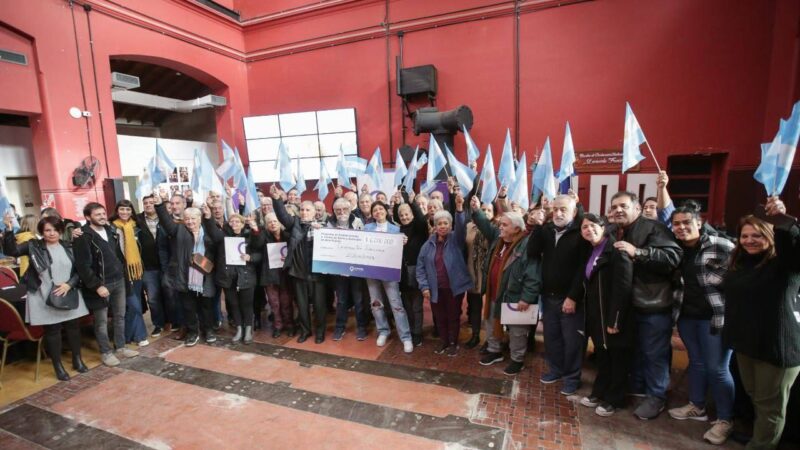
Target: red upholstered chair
x=8, y=277
x=14, y=330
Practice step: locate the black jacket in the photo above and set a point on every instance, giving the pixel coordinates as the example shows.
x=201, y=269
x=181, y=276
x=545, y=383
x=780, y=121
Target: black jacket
x=40, y=258
x=300, y=248
x=181, y=246
x=608, y=297
x=654, y=274
x=271, y=275
x=417, y=234
x=148, y=243
x=562, y=274
x=99, y=262
x=247, y=275
x=761, y=303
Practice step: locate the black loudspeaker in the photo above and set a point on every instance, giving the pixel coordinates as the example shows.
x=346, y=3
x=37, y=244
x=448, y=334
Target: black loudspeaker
x=417, y=80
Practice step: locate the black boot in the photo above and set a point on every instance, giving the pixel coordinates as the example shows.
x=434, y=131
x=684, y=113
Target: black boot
x=276, y=333
x=77, y=364
x=61, y=373
x=473, y=341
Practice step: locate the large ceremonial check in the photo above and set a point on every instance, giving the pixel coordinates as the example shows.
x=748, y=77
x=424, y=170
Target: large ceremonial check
x=364, y=254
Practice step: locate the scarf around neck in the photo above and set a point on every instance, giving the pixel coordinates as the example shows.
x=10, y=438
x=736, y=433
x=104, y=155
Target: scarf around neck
x=195, y=276
x=133, y=259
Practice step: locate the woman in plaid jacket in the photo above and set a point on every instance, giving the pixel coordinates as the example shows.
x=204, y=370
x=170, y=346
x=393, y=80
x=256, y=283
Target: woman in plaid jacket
x=701, y=317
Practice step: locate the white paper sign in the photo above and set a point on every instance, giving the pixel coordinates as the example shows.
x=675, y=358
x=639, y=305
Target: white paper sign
x=363, y=254
x=235, y=247
x=276, y=253
x=511, y=315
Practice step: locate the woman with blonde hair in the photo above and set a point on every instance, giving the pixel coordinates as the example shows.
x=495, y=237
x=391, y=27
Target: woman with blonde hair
x=27, y=231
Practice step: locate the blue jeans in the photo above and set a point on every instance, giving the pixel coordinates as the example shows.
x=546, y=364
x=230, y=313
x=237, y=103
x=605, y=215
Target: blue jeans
x=378, y=292
x=564, y=340
x=651, y=360
x=348, y=293
x=709, y=365
x=135, y=329
x=152, y=285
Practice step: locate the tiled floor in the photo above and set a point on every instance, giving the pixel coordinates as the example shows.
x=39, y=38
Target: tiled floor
x=337, y=395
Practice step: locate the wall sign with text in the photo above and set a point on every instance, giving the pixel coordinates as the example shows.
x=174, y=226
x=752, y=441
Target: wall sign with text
x=603, y=160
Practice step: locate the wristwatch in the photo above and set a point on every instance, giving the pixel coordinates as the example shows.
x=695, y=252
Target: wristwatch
x=641, y=253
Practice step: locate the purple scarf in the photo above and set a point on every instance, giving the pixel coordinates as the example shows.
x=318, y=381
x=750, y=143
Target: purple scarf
x=596, y=251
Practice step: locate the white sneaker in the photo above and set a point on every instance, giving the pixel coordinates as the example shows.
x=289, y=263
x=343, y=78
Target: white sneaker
x=408, y=346
x=719, y=432
x=381, y=340
x=688, y=411
x=126, y=352
x=109, y=359
x=590, y=402
x=144, y=343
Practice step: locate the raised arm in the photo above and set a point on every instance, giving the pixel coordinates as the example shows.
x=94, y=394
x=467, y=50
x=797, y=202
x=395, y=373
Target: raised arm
x=10, y=246
x=489, y=231
x=165, y=220
x=787, y=235
x=281, y=213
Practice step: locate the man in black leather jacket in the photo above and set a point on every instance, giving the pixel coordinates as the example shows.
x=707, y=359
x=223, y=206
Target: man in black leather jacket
x=656, y=257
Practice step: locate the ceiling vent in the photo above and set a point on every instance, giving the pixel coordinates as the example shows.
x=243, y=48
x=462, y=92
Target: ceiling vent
x=124, y=81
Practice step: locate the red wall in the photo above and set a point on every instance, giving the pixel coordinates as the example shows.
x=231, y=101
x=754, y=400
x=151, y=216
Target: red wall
x=20, y=94
x=199, y=44
x=703, y=77
x=709, y=76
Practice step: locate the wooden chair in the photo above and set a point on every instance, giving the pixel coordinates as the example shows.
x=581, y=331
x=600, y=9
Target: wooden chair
x=14, y=330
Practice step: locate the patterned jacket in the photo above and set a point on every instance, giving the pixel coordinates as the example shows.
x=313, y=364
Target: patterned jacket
x=711, y=263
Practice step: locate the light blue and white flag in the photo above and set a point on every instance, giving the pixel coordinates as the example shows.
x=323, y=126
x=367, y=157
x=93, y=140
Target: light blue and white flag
x=324, y=180
x=342, y=175
x=400, y=170
x=463, y=174
x=567, y=157
x=301, y=180
x=472, y=150
x=543, y=177
x=634, y=137
x=145, y=185
x=355, y=165
x=284, y=165
x=251, y=194
x=412, y=171
x=204, y=178
x=5, y=205
x=506, y=172
x=777, y=156
x=227, y=169
x=375, y=169
x=488, y=178
x=436, y=162
x=520, y=193
x=162, y=166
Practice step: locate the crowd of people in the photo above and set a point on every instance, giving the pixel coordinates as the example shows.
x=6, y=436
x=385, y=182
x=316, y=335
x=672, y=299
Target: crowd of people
x=622, y=281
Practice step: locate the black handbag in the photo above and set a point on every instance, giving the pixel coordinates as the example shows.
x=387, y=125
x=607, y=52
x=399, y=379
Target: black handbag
x=66, y=302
